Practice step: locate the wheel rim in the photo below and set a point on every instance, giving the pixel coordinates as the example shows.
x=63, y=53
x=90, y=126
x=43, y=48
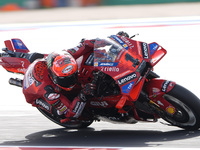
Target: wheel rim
x=183, y=116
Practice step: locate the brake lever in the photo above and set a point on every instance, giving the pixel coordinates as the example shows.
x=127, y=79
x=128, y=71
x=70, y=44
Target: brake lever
x=134, y=35
x=9, y=52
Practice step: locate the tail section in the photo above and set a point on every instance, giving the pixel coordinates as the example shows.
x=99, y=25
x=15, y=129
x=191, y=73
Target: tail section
x=10, y=61
x=16, y=45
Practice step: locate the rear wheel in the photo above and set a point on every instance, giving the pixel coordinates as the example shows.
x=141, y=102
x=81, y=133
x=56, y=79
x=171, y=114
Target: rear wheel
x=187, y=106
x=69, y=125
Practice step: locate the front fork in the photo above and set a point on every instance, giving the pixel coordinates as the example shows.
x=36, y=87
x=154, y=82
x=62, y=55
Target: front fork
x=156, y=89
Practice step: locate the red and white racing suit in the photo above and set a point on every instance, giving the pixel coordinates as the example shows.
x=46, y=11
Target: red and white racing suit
x=40, y=91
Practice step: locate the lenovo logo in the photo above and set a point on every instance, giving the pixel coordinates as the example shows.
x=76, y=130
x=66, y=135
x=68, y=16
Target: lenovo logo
x=127, y=78
x=145, y=50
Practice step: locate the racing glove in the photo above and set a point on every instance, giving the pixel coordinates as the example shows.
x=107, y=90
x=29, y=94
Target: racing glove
x=87, y=92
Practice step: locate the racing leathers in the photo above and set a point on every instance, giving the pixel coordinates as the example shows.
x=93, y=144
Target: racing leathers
x=40, y=91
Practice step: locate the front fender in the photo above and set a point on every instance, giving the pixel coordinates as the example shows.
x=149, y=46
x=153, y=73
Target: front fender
x=156, y=88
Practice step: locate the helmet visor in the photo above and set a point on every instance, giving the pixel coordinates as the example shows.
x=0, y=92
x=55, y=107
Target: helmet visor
x=66, y=81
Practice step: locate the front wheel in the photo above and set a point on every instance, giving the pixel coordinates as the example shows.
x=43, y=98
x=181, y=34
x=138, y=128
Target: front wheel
x=187, y=106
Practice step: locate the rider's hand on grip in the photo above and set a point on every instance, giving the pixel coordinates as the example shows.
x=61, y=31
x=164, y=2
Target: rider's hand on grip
x=87, y=92
x=89, y=89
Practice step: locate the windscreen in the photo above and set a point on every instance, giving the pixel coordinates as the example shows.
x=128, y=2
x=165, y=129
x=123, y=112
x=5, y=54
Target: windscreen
x=106, y=52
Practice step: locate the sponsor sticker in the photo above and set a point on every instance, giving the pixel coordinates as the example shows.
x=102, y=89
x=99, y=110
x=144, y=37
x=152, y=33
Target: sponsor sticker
x=53, y=96
x=127, y=88
x=110, y=69
x=95, y=64
x=43, y=104
x=111, y=64
x=165, y=86
x=90, y=60
x=18, y=44
x=127, y=78
x=145, y=50
x=72, y=50
x=101, y=104
x=127, y=41
x=28, y=79
x=155, y=92
x=77, y=47
x=153, y=47
x=122, y=43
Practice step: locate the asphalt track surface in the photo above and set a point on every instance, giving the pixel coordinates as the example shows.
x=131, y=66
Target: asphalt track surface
x=36, y=130
x=26, y=127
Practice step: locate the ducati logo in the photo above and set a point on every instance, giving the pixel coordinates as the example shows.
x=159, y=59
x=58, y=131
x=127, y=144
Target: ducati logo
x=53, y=96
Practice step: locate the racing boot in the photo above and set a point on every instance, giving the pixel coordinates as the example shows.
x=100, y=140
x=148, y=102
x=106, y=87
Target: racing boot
x=75, y=110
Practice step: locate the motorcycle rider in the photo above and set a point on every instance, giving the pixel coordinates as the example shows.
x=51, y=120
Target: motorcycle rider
x=45, y=79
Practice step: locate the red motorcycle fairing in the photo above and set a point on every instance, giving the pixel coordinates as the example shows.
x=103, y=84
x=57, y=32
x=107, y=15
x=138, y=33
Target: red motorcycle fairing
x=106, y=102
x=12, y=64
x=156, y=89
x=125, y=61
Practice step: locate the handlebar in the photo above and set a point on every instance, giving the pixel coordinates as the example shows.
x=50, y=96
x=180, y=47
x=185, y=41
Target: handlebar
x=16, y=82
x=96, y=76
x=7, y=53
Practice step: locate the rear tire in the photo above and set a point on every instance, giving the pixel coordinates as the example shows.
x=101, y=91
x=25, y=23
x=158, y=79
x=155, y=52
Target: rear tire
x=187, y=115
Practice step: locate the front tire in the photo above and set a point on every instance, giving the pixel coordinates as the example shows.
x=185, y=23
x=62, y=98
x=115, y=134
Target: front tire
x=187, y=115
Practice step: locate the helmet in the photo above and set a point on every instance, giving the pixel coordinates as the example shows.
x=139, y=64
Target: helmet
x=63, y=70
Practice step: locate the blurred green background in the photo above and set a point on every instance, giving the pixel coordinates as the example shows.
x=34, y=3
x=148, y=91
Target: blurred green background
x=35, y=4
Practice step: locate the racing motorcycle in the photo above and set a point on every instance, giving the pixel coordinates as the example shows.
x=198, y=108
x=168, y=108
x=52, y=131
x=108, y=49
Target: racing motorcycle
x=128, y=91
